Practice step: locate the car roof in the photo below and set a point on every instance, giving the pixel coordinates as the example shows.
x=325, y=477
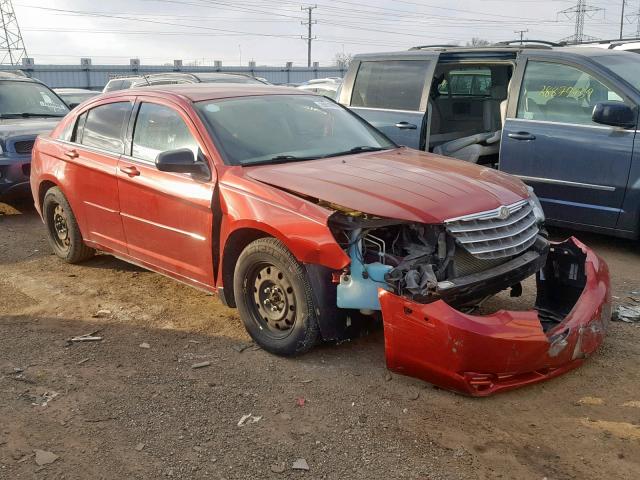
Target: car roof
x=74, y=90
x=585, y=51
x=197, y=92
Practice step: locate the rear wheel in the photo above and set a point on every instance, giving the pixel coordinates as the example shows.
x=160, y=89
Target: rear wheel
x=62, y=228
x=274, y=298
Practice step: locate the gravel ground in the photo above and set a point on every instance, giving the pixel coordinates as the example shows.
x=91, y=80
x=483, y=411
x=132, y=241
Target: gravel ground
x=115, y=409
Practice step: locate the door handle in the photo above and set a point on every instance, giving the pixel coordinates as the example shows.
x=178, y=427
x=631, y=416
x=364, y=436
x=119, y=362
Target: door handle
x=130, y=170
x=522, y=136
x=71, y=154
x=406, y=126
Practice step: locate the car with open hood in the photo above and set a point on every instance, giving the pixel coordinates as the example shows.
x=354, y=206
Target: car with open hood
x=316, y=226
x=27, y=109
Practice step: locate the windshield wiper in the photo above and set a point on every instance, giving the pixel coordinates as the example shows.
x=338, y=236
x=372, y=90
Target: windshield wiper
x=28, y=115
x=360, y=149
x=280, y=159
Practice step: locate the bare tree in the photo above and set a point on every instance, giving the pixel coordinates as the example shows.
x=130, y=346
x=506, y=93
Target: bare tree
x=342, y=60
x=478, y=42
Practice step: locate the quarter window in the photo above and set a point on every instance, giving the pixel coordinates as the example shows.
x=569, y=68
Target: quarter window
x=103, y=127
x=559, y=93
x=393, y=85
x=160, y=129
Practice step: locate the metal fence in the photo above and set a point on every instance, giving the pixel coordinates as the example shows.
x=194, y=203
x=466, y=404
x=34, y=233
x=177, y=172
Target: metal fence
x=95, y=77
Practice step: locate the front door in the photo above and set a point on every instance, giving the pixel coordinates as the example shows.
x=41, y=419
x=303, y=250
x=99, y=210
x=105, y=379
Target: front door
x=95, y=149
x=392, y=95
x=167, y=217
x=578, y=168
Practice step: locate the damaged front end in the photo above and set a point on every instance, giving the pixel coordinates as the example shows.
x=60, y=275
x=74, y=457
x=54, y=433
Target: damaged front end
x=423, y=278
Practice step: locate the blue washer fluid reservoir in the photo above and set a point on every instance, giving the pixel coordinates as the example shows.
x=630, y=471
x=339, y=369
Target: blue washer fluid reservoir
x=359, y=290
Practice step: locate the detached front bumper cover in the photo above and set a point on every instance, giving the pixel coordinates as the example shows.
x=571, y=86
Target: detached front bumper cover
x=481, y=355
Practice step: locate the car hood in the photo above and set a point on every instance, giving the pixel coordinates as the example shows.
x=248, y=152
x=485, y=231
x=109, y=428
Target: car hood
x=401, y=183
x=12, y=127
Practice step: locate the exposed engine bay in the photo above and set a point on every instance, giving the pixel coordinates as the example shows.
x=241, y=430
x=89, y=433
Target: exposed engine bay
x=461, y=261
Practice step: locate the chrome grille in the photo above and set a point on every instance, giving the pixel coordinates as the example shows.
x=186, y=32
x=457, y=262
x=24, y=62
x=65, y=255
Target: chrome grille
x=503, y=232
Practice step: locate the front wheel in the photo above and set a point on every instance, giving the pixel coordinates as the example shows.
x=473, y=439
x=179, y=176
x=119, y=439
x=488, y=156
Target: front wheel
x=274, y=298
x=62, y=228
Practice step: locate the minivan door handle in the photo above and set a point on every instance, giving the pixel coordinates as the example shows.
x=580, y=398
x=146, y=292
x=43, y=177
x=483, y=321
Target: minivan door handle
x=406, y=126
x=130, y=170
x=72, y=154
x=521, y=136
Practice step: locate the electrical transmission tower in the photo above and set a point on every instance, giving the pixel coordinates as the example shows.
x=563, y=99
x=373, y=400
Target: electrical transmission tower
x=309, y=38
x=12, y=49
x=579, y=12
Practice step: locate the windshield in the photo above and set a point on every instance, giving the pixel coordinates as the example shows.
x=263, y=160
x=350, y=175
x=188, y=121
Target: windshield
x=25, y=99
x=624, y=64
x=280, y=128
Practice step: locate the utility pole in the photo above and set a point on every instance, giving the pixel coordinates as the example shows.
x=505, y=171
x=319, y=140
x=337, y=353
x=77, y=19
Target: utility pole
x=12, y=49
x=579, y=12
x=624, y=3
x=309, y=38
x=521, y=32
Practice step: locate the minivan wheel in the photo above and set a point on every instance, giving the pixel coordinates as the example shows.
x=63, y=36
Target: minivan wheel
x=274, y=298
x=62, y=228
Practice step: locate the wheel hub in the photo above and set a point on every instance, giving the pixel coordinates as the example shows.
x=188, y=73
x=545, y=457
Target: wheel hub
x=60, y=225
x=274, y=299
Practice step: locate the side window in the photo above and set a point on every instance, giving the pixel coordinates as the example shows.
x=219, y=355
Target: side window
x=393, y=85
x=159, y=129
x=554, y=92
x=67, y=132
x=76, y=136
x=103, y=126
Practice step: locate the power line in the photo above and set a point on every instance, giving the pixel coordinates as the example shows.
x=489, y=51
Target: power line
x=579, y=12
x=309, y=24
x=521, y=32
x=12, y=47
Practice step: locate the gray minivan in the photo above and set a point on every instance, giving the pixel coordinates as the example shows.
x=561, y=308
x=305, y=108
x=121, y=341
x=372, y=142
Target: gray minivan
x=562, y=119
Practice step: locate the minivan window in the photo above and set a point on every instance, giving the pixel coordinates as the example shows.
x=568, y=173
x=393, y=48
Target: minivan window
x=392, y=85
x=475, y=82
x=29, y=99
x=625, y=65
x=159, y=129
x=560, y=93
x=103, y=127
x=287, y=128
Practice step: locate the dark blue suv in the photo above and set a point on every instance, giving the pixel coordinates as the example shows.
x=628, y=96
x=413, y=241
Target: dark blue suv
x=563, y=119
x=27, y=109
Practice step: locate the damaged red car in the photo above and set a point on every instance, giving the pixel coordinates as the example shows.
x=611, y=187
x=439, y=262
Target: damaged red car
x=316, y=226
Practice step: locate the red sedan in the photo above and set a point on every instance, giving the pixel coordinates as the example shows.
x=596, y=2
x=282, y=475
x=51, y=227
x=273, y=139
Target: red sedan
x=315, y=225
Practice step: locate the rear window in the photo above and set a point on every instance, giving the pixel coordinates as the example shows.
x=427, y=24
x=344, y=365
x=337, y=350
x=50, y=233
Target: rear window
x=103, y=127
x=391, y=85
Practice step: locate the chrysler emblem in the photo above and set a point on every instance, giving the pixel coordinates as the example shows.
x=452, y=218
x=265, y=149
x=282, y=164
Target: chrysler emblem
x=503, y=214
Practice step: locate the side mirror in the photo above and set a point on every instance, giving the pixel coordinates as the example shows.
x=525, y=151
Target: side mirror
x=181, y=160
x=616, y=114
x=73, y=105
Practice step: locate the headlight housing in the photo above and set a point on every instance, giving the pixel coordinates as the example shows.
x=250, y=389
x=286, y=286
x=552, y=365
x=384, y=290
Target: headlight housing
x=536, y=205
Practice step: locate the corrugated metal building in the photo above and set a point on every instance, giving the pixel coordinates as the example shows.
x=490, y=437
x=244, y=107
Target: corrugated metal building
x=95, y=77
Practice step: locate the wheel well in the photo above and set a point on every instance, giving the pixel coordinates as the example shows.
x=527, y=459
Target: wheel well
x=234, y=246
x=43, y=189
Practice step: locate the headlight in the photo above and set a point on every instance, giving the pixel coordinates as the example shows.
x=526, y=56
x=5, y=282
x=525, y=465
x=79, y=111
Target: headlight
x=535, y=205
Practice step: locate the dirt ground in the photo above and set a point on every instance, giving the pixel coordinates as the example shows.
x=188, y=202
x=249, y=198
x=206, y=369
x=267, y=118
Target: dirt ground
x=116, y=410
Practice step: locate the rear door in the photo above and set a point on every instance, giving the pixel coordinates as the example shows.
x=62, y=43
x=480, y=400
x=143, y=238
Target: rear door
x=392, y=94
x=578, y=168
x=96, y=146
x=167, y=217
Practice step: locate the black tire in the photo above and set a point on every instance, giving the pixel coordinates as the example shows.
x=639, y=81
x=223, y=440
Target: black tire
x=63, y=232
x=274, y=298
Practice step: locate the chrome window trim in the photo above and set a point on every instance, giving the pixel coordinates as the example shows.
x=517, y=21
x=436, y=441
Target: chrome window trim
x=548, y=122
x=553, y=181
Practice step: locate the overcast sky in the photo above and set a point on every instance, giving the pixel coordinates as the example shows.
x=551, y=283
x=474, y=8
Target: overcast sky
x=269, y=31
